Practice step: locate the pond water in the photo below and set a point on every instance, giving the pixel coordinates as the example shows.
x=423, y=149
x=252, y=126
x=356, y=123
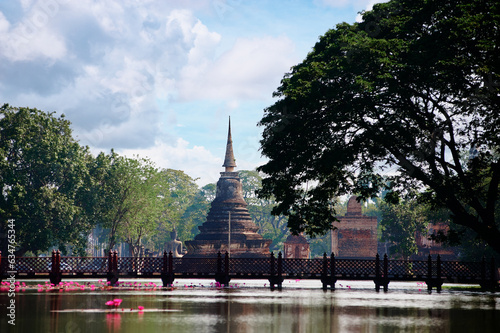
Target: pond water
x=248, y=306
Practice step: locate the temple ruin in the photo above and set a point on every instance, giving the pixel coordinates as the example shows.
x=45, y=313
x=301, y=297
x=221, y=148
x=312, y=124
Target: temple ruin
x=229, y=227
x=356, y=234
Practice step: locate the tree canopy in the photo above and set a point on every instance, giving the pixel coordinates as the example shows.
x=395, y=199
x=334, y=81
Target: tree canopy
x=127, y=198
x=400, y=224
x=43, y=176
x=408, y=98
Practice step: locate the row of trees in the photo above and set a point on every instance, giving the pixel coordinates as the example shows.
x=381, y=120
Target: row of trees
x=56, y=192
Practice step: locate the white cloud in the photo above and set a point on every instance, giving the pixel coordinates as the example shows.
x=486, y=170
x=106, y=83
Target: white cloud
x=30, y=39
x=4, y=24
x=26, y=4
x=252, y=68
x=35, y=35
x=128, y=73
x=197, y=162
x=111, y=17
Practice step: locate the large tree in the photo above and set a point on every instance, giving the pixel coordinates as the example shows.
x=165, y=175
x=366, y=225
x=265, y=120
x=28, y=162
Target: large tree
x=126, y=198
x=411, y=91
x=43, y=176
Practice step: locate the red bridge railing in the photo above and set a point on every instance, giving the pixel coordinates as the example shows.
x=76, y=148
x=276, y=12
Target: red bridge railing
x=275, y=269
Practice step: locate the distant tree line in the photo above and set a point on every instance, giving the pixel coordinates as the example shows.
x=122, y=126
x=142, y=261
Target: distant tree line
x=57, y=192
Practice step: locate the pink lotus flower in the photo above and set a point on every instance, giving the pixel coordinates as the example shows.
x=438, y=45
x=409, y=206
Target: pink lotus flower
x=140, y=307
x=117, y=302
x=110, y=303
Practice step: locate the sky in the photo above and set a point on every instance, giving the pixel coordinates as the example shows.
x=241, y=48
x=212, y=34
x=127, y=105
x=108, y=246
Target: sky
x=160, y=78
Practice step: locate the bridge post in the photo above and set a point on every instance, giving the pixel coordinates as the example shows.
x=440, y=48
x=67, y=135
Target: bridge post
x=271, y=278
x=222, y=277
x=167, y=271
x=493, y=273
x=332, y=271
x=386, y=269
x=324, y=272
x=430, y=280
x=328, y=280
x=483, y=273
x=488, y=281
x=439, y=282
x=110, y=261
x=434, y=281
x=226, y=269
x=276, y=281
x=112, y=276
x=381, y=279
x=429, y=273
x=171, y=265
x=115, y=262
x=279, y=279
x=55, y=270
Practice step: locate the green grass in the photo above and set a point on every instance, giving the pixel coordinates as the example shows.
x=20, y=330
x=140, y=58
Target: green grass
x=466, y=288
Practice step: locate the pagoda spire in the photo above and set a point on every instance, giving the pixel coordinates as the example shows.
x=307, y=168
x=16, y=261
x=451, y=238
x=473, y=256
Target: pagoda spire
x=229, y=161
x=229, y=226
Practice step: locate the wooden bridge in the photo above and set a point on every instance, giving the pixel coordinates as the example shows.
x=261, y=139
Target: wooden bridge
x=329, y=270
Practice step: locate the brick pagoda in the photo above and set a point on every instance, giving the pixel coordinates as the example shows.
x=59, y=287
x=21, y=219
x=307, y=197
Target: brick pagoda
x=356, y=234
x=228, y=221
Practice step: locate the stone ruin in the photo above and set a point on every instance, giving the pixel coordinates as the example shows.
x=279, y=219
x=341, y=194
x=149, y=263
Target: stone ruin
x=229, y=227
x=356, y=234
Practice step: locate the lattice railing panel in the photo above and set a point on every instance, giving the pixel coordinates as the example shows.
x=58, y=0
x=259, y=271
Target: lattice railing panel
x=142, y=265
x=361, y=268
x=414, y=268
x=249, y=265
x=354, y=267
x=195, y=265
x=80, y=265
x=32, y=264
x=302, y=266
x=462, y=269
x=152, y=265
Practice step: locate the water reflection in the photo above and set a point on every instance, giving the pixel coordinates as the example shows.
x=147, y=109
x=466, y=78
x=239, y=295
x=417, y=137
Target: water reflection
x=55, y=306
x=113, y=322
x=256, y=310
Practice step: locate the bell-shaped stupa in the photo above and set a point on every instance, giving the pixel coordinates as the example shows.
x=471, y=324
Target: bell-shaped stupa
x=229, y=227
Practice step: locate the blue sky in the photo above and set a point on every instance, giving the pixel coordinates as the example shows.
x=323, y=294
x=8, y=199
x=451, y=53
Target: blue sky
x=159, y=79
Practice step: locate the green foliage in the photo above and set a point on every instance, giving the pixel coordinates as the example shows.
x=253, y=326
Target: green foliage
x=411, y=89
x=125, y=198
x=400, y=224
x=56, y=191
x=181, y=209
x=270, y=226
x=43, y=175
x=196, y=214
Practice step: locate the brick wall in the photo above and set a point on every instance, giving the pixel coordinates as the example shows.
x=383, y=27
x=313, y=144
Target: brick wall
x=356, y=234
